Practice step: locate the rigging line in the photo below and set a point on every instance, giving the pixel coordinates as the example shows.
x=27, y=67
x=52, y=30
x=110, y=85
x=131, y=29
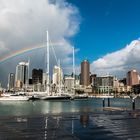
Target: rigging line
x=51, y=44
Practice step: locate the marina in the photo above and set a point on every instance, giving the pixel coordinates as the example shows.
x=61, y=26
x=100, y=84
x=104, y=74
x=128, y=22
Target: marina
x=69, y=70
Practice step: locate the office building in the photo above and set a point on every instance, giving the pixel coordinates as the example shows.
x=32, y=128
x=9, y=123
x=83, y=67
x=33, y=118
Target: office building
x=132, y=78
x=102, y=84
x=37, y=76
x=57, y=75
x=11, y=81
x=30, y=81
x=85, y=73
x=22, y=74
x=69, y=83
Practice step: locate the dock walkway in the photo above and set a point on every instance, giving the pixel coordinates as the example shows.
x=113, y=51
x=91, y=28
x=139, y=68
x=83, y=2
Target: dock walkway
x=115, y=109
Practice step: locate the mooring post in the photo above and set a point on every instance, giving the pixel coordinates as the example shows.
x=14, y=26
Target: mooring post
x=103, y=102
x=133, y=104
x=108, y=102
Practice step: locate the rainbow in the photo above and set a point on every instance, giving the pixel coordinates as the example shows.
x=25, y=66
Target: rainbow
x=19, y=52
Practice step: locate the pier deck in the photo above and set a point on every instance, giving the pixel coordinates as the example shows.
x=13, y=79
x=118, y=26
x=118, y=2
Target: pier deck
x=115, y=109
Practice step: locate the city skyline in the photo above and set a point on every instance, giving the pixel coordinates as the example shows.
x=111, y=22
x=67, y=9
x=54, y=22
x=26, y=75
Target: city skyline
x=100, y=31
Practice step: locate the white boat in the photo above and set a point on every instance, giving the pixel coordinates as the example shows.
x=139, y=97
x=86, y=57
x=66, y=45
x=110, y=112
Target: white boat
x=36, y=95
x=103, y=96
x=14, y=98
x=126, y=97
x=56, y=97
x=79, y=96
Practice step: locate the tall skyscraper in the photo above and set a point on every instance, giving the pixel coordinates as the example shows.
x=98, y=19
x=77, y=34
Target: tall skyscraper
x=37, y=76
x=85, y=73
x=22, y=74
x=11, y=81
x=132, y=78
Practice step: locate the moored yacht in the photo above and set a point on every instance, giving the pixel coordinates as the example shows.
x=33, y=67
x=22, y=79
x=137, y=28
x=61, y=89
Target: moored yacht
x=50, y=95
x=79, y=96
x=13, y=97
x=103, y=96
x=56, y=97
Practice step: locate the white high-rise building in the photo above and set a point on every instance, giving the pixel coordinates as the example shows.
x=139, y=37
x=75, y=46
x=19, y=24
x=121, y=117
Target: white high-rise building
x=22, y=74
x=11, y=81
x=57, y=75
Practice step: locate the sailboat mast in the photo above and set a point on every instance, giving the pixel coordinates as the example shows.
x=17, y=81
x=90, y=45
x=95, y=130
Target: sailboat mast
x=59, y=77
x=48, y=56
x=73, y=63
x=28, y=70
x=28, y=73
x=74, y=70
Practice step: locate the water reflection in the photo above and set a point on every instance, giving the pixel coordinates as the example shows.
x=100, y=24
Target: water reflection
x=46, y=124
x=84, y=120
x=71, y=126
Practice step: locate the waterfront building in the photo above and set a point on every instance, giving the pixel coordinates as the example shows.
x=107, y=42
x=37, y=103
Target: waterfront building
x=37, y=79
x=69, y=83
x=18, y=85
x=22, y=74
x=37, y=76
x=136, y=89
x=11, y=81
x=121, y=88
x=115, y=85
x=30, y=81
x=57, y=75
x=102, y=84
x=44, y=80
x=85, y=73
x=132, y=78
x=124, y=81
x=77, y=81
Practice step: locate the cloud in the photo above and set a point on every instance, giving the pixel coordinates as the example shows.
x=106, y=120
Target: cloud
x=3, y=49
x=119, y=62
x=24, y=23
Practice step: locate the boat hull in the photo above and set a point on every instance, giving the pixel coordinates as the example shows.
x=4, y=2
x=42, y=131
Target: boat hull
x=57, y=98
x=14, y=98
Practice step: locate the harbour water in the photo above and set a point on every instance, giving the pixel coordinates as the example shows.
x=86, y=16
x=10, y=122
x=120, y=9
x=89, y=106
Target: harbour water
x=17, y=108
x=68, y=120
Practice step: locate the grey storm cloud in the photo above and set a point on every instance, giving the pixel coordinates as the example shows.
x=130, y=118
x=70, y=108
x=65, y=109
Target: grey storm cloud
x=23, y=24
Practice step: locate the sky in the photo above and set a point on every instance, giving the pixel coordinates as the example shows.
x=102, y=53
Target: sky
x=107, y=27
x=106, y=32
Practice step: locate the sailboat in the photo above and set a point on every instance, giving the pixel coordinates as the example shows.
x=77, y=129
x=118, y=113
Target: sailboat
x=51, y=95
